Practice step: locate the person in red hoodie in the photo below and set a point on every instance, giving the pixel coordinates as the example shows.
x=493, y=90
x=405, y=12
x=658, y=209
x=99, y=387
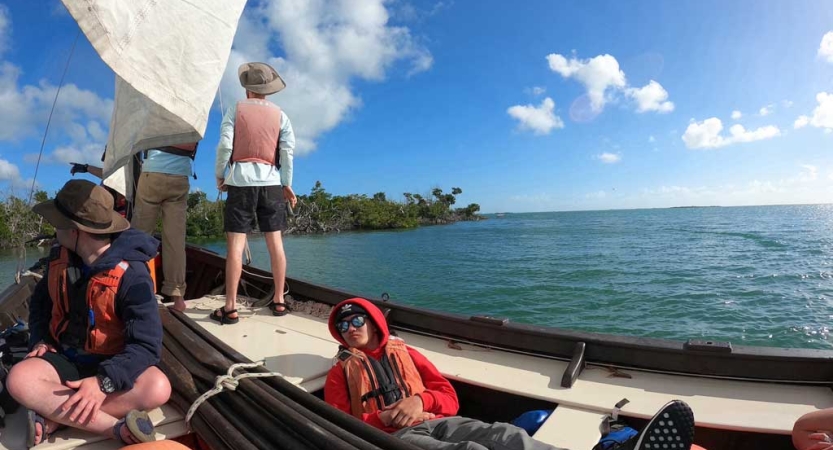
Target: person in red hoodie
x=393, y=387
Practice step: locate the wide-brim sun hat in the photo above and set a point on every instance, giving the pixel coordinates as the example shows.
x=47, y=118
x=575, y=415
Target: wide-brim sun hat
x=85, y=206
x=260, y=78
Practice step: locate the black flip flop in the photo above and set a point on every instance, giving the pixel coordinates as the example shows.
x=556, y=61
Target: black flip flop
x=221, y=315
x=279, y=312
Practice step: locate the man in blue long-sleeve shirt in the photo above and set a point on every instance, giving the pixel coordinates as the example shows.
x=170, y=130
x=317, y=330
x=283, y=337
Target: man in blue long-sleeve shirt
x=96, y=335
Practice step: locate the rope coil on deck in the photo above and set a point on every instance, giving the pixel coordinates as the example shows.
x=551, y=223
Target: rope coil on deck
x=228, y=382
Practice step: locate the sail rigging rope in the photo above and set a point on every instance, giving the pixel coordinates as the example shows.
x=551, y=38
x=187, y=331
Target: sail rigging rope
x=21, y=260
x=51, y=111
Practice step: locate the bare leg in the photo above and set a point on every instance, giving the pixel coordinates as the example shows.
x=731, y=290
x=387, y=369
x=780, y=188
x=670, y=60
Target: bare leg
x=234, y=268
x=810, y=424
x=277, y=257
x=35, y=384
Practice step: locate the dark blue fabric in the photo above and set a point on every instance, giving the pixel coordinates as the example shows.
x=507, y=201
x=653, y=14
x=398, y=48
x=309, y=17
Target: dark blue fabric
x=532, y=420
x=619, y=436
x=135, y=305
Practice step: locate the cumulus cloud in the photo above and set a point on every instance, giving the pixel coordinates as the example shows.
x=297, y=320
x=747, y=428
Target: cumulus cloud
x=8, y=171
x=736, y=115
x=826, y=47
x=597, y=74
x=651, y=97
x=327, y=46
x=78, y=123
x=766, y=110
x=603, y=78
x=801, y=122
x=538, y=119
x=822, y=116
x=609, y=158
x=706, y=134
x=535, y=90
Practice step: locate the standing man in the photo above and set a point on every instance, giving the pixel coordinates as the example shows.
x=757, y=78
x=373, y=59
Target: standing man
x=254, y=163
x=96, y=336
x=163, y=188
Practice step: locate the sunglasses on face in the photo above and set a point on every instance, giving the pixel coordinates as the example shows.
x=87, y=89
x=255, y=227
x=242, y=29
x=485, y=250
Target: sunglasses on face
x=357, y=322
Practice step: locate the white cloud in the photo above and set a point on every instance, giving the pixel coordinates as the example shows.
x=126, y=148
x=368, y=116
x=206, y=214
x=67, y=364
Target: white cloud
x=540, y=119
x=597, y=74
x=535, y=90
x=706, y=134
x=8, y=171
x=736, y=115
x=327, y=46
x=609, y=158
x=787, y=103
x=766, y=110
x=801, y=122
x=603, y=79
x=823, y=113
x=5, y=26
x=651, y=97
x=826, y=47
x=652, y=139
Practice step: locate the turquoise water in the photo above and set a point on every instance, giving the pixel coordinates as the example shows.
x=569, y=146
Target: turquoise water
x=752, y=275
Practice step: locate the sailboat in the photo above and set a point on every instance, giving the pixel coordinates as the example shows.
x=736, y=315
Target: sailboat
x=168, y=58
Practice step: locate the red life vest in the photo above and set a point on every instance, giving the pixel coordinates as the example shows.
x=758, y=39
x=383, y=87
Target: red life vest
x=257, y=132
x=91, y=320
x=372, y=384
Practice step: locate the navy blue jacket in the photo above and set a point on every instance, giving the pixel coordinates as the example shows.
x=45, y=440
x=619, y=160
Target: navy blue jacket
x=136, y=306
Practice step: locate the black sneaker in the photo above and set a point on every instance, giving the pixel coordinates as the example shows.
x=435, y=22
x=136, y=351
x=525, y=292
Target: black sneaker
x=672, y=428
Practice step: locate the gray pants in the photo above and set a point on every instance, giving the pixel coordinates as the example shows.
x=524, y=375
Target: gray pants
x=461, y=433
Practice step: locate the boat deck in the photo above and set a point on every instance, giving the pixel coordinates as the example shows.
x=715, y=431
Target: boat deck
x=301, y=348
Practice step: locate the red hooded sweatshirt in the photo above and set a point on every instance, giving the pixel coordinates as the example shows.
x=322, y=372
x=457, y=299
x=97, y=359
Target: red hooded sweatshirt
x=439, y=397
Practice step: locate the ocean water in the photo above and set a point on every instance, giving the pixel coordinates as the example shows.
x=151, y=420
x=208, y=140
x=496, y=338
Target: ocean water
x=750, y=275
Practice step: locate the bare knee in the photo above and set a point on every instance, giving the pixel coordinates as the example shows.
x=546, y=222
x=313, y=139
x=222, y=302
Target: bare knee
x=155, y=389
x=19, y=381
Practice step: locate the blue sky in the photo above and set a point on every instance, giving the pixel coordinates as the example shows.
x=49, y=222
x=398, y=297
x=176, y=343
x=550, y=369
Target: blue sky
x=539, y=106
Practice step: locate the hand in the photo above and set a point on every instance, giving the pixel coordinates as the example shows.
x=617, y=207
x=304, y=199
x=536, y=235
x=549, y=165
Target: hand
x=78, y=168
x=405, y=412
x=86, y=401
x=289, y=195
x=40, y=349
x=825, y=441
x=221, y=185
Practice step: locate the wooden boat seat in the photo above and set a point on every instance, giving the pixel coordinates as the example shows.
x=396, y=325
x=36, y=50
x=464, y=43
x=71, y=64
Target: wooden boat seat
x=731, y=405
x=571, y=428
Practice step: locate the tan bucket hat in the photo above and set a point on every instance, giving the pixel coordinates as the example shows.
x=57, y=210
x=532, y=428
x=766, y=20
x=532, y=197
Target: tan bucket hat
x=260, y=78
x=85, y=206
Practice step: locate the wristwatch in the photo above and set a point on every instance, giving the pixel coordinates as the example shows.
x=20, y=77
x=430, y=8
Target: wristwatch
x=106, y=384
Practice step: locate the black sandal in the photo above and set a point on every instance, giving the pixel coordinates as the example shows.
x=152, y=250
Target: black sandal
x=221, y=315
x=284, y=308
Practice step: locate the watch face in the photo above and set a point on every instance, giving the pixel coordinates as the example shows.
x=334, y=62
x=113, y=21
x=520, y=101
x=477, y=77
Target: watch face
x=107, y=385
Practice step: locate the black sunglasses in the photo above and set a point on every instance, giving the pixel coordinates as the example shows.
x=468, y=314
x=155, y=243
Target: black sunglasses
x=357, y=322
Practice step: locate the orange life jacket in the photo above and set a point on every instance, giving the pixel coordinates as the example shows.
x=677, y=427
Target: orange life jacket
x=257, y=132
x=92, y=320
x=368, y=380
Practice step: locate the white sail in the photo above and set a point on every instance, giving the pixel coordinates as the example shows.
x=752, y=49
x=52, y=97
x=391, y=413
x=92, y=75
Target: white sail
x=168, y=56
